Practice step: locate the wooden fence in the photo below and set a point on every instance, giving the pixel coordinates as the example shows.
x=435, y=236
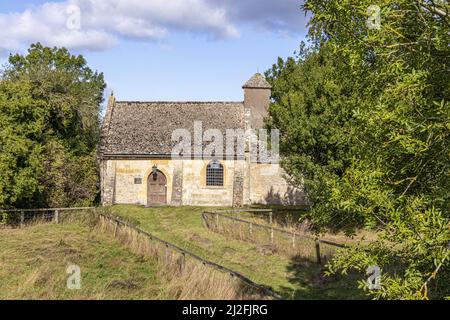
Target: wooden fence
x=265, y=212
x=116, y=224
x=272, y=238
x=20, y=217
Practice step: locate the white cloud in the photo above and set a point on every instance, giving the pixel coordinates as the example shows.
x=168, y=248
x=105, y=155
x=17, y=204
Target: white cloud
x=102, y=23
x=283, y=16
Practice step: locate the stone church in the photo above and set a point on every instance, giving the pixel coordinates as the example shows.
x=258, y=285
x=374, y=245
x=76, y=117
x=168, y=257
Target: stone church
x=137, y=163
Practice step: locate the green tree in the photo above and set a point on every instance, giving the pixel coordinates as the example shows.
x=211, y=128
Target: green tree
x=50, y=106
x=391, y=149
x=312, y=106
x=21, y=150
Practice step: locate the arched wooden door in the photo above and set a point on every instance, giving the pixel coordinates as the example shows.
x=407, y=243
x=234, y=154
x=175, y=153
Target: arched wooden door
x=157, y=189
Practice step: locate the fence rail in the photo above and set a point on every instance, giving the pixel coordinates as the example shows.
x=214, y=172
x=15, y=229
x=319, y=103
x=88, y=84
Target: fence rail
x=268, y=212
x=46, y=209
x=52, y=214
x=272, y=215
x=291, y=243
x=118, y=223
x=20, y=217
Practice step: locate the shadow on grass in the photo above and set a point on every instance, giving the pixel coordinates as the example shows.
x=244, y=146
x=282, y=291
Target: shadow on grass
x=310, y=277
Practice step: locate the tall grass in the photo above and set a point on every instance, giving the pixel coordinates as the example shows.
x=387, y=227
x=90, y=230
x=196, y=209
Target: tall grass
x=184, y=277
x=34, y=260
x=270, y=239
x=187, y=277
x=18, y=219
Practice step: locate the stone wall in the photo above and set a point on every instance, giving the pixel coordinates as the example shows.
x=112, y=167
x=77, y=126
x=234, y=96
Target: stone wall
x=268, y=186
x=238, y=183
x=186, y=182
x=177, y=189
x=257, y=100
x=244, y=183
x=126, y=190
x=107, y=181
x=195, y=190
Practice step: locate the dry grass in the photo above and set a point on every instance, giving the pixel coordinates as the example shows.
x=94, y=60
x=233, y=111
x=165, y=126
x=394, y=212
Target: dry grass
x=33, y=218
x=258, y=230
x=186, y=277
x=292, y=277
x=294, y=222
x=269, y=240
x=33, y=262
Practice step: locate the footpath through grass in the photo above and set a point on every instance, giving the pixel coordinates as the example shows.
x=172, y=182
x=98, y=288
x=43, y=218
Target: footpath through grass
x=33, y=263
x=292, y=278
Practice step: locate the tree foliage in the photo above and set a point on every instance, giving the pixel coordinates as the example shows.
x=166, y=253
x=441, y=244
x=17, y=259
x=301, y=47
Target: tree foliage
x=49, y=117
x=366, y=121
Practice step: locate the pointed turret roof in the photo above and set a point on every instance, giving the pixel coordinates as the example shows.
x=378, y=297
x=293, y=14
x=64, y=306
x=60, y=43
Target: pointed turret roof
x=257, y=81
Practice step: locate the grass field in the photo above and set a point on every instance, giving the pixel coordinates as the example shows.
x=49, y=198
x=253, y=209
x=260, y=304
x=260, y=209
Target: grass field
x=293, y=278
x=33, y=263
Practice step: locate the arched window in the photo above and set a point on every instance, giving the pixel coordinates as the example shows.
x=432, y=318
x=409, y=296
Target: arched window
x=214, y=174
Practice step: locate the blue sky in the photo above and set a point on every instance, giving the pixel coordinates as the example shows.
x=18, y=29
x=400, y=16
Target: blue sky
x=162, y=50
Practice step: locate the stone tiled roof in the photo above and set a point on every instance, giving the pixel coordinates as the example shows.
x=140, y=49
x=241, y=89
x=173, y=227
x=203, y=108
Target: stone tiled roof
x=257, y=81
x=145, y=128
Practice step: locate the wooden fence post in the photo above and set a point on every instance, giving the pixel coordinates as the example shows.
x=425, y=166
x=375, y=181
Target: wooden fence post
x=293, y=241
x=319, y=259
x=22, y=218
x=250, y=229
x=217, y=221
x=56, y=216
x=271, y=235
x=270, y=217
x=232, y=278
x=115, y=229
x=182, y=262
x=204, y=221
x=166, y=253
